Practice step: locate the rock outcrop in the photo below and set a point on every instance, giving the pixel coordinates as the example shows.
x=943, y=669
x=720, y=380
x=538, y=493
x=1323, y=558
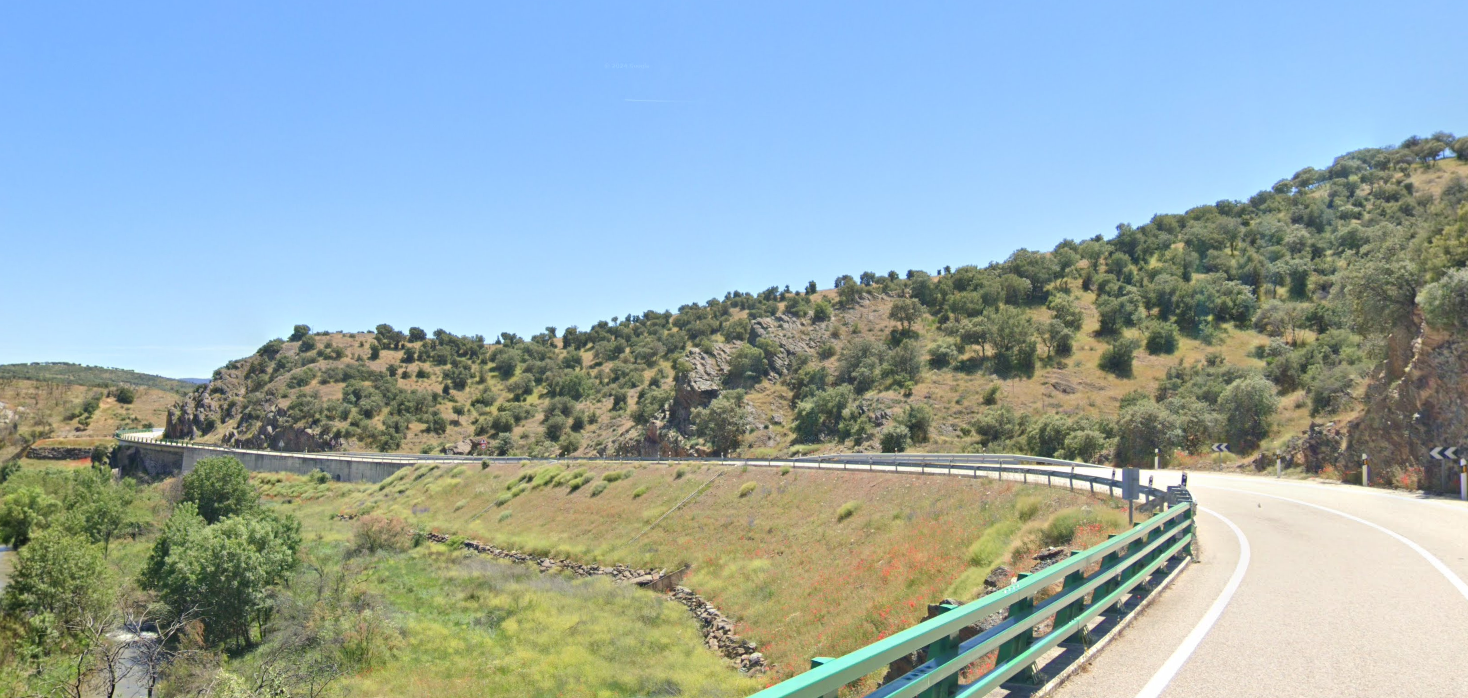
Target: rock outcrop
x=263, y=425
x=791, y=336
x=1418, y=400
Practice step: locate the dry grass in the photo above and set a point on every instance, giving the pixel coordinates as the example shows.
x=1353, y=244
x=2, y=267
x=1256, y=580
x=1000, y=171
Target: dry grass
x=798, y=581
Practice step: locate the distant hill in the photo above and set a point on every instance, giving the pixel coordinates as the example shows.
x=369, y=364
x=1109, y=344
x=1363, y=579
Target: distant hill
x=95, y=376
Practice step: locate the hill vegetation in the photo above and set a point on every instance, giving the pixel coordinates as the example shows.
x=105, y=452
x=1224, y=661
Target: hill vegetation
x=50, y=414
x=1237, y=322
x=92, y=376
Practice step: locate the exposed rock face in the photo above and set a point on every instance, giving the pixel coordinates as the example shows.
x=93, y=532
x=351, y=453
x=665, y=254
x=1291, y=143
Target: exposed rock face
x=264, y=426
x=699, y=386
x=792, y=336
x=1417, y=401
x=1320, y=445
x=58, y=453
x=654, y=440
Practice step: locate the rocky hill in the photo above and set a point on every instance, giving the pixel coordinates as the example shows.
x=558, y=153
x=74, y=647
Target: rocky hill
x=1265, y=324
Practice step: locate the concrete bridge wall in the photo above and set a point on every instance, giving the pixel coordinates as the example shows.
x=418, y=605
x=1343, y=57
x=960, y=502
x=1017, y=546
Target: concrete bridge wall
x=157, y=459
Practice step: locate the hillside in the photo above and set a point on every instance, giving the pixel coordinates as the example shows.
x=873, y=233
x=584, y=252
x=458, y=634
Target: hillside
x=92, y=376
x=1240, y=322
x=55, y=414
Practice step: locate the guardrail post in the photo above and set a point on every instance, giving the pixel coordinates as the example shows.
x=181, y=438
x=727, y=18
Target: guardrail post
x=1019, y=643
x=942, y=650
x=1073, y=610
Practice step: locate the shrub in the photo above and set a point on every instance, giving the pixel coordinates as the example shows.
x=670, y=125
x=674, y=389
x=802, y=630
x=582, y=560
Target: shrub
x=1161, y=338
x=991, y=546
x=1445, y=301
x=784, y=470
x=847, y=510
x=1026, y=508
x=895, y=438
x=1116, y=359
x=639, y=492
x=747, y=489
x=1061, y=528
x=991, y=394
x=680, y=472
x=125, y=395
x=372, y=533
x=598, y=489
x=820, y=311
x=1247, y=406
x=318, y=476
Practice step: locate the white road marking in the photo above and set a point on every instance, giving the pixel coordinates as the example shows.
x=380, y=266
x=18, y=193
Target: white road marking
x=1180, y=656
x=1342, y=488
x=1431, y=559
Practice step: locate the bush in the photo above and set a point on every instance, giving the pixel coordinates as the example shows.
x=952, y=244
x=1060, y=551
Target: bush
x=220, y=487
x=125, y=394
x=991, y=394
x=847, y=510
x=373, y=533
x=1117, y=358
x=784, y=470
x=1161, y=338
x=599, y=488
x=820, y=311
x=639, y=492
x=1247, y=406
x=989, y=549
x=1026, y=508
x=747, y=489
x=1445, y=301
x=895, y=438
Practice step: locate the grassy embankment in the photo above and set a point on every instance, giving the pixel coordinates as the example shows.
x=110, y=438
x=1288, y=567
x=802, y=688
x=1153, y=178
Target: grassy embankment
x=806, y=563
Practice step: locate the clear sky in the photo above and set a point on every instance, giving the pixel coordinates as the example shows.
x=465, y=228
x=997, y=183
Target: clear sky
x=181, y=182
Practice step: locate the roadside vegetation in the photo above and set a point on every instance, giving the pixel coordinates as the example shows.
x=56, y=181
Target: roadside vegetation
x=806, y=563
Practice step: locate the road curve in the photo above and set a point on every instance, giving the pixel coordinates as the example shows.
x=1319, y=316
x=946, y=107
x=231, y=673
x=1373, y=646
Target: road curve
x=1345, y=591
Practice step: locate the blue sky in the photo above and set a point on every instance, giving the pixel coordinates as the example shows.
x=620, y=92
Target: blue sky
x=181, y=182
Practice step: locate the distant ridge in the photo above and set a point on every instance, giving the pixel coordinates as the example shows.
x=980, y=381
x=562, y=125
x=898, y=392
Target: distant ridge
x=96, y=376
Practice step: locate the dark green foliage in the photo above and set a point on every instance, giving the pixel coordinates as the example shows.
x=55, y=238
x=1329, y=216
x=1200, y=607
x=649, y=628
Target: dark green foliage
x=860, y=364
x=1445, y=301
x=723, y=424
x=1117, y=357
x=1161, y=338
x=299, y=332
x=219, y=487
x=1247, y=406
x=895, y=438
x=1142, y=429
x=746, y=366
x=650, y=401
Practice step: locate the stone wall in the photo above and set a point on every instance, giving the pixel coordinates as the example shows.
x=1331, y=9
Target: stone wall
x=163, y=460
x=58, y=452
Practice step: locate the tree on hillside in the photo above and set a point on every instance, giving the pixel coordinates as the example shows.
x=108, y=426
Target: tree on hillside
x=97, y=508
x=860, y=364
x=1140, y=429
x=299, y=332
x=1247, y=407
x=723, y=424
x=905, y=312
x=1445, y=301
x=220, y=487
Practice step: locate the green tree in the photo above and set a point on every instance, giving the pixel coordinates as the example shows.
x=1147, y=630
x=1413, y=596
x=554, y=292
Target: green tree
x=25, y=512
x=746, y=366
x=895, y=438
x=1140, y=429
x=58, y=580
x=1059, y=339
x=299, y=332
x=1247, y=406
x=1445, y=301
x=98, y=509
x=1117, y=357
x=220, y=487
x=860, y=364
x=227, y=569
x=1011, y=336
x=919, y=422
x=1084, y=445
x=1161, y=337
x=820, y=311
x=904, y=365
x=723, y=424
x=905, y=312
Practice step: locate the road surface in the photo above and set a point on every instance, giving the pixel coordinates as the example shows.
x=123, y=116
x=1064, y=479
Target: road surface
x=1336, y=591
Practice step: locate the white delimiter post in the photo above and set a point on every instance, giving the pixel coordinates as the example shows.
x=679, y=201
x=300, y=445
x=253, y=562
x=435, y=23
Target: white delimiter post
x=1463, y=479
x=1278, y=469
x=1156, y=457
x=1365, y=471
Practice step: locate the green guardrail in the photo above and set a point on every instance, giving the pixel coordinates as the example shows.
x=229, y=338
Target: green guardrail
x=1122, y=563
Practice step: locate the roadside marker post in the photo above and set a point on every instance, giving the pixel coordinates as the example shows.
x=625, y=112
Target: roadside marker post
x=1463, y=479
x=1278, y=469
x=1156, y=457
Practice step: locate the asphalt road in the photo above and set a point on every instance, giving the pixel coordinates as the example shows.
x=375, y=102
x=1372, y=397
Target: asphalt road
x=1339, y=595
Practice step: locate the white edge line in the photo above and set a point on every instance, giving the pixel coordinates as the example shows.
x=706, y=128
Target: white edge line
x=1431, y=559
x=1180, y=656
